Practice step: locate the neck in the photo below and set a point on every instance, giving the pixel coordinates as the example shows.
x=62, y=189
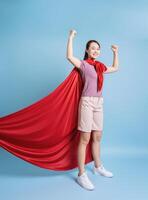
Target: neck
x=91, y=58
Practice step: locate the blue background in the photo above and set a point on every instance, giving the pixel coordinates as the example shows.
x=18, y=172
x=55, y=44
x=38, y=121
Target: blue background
x=33, y=40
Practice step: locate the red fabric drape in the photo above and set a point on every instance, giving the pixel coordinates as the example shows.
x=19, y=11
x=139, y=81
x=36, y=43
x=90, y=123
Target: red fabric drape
x=100, y=68
x=45, y=133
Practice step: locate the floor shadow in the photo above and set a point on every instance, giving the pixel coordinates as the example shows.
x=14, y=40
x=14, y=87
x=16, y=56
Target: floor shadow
x=13, y=166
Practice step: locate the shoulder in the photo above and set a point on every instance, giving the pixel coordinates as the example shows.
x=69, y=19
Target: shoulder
x=82, y=65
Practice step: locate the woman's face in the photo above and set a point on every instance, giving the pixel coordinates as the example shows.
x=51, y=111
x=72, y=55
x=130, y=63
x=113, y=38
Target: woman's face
x=94, y=50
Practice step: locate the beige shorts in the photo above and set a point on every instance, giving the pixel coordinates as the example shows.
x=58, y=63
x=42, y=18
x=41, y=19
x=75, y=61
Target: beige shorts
x=90, y=113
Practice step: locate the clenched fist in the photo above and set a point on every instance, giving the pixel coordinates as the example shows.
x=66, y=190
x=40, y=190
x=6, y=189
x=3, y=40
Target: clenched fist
x=72, y=33
x=114, y=48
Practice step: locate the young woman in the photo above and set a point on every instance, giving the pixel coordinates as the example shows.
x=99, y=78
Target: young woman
x=90, y=114
x=39, y=136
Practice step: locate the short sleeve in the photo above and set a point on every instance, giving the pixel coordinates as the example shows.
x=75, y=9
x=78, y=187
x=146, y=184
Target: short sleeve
x=82, y=66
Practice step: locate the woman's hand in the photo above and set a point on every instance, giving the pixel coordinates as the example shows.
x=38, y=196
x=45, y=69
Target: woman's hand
x=72, y=33
x=114, y=48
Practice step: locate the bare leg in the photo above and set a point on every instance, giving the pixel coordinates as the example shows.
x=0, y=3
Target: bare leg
x=96, y=137
x=84, y=140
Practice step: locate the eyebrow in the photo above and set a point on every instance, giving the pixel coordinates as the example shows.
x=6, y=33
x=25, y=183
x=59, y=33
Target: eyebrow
x=97, y=47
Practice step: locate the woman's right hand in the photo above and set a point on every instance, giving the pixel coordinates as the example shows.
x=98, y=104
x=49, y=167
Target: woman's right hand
x=72, y=33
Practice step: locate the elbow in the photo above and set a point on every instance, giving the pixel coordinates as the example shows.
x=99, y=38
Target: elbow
x=116, y=68
x=68, y=57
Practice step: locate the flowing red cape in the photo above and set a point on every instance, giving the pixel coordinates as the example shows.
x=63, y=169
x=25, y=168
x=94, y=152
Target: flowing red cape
x=45, y=133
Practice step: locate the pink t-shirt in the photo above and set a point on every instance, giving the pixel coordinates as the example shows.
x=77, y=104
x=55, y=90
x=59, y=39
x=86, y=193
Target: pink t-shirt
x=89, y=77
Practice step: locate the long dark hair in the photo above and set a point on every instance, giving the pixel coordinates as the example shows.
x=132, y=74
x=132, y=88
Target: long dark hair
x=87, y=47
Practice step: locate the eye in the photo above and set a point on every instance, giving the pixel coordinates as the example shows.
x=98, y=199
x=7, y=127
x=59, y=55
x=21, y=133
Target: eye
x=93, y=48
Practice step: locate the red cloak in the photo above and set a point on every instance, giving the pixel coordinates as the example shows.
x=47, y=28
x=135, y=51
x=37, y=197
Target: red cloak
x=45, y=133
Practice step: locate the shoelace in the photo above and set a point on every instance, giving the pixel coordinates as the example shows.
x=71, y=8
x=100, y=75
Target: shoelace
x=102, y=167
x=87, y=179
x=104, y=170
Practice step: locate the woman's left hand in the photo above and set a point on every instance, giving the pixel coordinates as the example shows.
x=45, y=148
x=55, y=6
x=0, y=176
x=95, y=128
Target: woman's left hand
x=114, y=48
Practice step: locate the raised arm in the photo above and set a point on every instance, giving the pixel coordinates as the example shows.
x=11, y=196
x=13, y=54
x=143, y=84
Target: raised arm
x=115, y=65
x=75, y=61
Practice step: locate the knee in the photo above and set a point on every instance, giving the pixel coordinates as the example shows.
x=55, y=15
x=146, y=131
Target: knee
x=97, y=136
x=84, y=140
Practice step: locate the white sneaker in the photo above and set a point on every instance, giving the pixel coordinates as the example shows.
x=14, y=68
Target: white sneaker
x=102, y=171
x=84, y=181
